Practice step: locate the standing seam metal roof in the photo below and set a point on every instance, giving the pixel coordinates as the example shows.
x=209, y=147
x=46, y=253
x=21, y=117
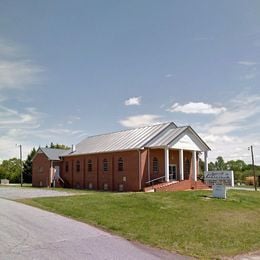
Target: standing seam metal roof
x=119, y=141
x=167, y=137
x=54, y=154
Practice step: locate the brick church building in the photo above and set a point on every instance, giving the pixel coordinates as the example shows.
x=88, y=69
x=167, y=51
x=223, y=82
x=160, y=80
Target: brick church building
x=158, y=157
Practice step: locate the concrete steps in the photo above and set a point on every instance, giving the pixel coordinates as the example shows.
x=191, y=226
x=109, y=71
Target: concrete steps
x=177, y=186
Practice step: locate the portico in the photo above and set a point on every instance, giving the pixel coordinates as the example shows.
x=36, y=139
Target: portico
x=181, y=156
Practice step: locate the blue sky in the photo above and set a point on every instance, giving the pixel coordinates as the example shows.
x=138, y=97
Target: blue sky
x=69, y=69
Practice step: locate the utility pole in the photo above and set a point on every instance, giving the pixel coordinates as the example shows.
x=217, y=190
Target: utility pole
x=253, y=164
x=21, y=161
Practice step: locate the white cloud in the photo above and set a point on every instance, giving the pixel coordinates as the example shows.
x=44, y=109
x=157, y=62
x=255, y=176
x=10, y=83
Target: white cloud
x=247, y=63
x=18, y=74
x=196, y=108
x=231, y=132
x=140, y=120
x=16, y=71
x=19, y=124
x=11, y=118
x=72, y=119
x=248, y=76
x=133, y=101
x=168, y=75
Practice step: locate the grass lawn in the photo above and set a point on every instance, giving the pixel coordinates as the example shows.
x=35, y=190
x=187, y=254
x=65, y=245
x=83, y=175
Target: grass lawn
x=190, y=223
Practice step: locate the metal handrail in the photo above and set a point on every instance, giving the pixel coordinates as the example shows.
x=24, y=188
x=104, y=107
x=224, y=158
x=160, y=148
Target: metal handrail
x=162, y=177
x=156, y=179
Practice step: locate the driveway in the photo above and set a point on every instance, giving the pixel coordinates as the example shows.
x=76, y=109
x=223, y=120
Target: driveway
x=31, y=233
x=20, y=193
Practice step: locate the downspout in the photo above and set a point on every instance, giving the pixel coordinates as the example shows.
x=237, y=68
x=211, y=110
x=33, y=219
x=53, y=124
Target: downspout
x=113, y=172
x=139, y=169
x=84, y=173
x=51, y=175
x=148, y=165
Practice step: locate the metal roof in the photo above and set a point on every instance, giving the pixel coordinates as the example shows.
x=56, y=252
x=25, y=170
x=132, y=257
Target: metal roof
x=54, y=154
x=119, y=141
x=166, y=137
x=159, y=135
x=169, y=135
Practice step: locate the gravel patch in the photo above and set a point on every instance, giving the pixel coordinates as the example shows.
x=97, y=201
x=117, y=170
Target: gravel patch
x=23, y=193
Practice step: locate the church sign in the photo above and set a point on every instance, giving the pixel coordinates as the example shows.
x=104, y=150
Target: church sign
x=219, y=177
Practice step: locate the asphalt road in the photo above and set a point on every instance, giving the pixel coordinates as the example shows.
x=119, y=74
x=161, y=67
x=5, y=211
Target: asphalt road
x=20, y=193
x=31, y=233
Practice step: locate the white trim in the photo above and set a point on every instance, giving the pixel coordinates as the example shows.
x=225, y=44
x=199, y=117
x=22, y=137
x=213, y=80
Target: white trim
x=186, y=141
x=206, y=161
x=166, y=164
x=194, y=165
x=181, y=164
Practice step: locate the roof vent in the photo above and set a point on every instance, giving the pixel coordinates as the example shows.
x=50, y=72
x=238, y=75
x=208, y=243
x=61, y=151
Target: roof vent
x=73, y=148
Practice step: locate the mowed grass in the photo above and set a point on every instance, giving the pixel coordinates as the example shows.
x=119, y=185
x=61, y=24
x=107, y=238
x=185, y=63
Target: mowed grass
x=190, y=223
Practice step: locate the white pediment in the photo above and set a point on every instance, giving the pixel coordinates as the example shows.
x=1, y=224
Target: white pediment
x=185, y=142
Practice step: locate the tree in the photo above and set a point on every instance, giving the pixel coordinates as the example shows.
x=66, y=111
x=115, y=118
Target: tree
x=220, y=164
x=211, y=166
x=237, y=165
x=59, y=146
x=11, y=170
x=27, y=167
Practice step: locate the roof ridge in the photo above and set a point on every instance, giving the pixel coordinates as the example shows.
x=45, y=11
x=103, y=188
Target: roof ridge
x=54, y=148
x=129, y=129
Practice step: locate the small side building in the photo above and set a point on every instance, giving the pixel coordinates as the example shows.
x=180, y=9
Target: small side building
x=46, y=166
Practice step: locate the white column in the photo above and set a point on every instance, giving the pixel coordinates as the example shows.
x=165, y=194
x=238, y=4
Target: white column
x=206, y=161
x=194, y=165
x=166, y=164
x=181, y=164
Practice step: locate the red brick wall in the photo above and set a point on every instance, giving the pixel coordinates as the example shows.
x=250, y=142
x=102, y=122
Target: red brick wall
x=98, y=177
x=128, y=178
x=41, y=171
x=41, y=167
x=159, y=154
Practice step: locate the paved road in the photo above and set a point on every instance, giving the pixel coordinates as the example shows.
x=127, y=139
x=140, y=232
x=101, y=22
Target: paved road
x=31, y=233
x=19, y=193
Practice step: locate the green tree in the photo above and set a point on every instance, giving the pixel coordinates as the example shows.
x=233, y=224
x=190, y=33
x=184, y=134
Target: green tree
x=59, y=146
x=11, y=170
x=211, y=166
x=27, y=167
x=220, y=164
x=237, y=165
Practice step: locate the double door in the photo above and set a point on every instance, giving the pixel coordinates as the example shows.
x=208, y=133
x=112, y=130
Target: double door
x=172, y=172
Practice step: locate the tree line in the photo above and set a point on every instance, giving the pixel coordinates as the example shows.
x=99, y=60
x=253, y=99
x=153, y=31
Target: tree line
x=240, y=168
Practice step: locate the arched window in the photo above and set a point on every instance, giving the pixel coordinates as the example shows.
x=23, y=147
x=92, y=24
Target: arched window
x=78, y=166
x=120, y=164
x=155, y=165
x=66, y=166
x=105, y=165
x=89, y=165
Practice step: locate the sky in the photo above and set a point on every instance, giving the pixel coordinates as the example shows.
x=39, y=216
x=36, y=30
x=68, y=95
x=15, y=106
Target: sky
x=71, y=69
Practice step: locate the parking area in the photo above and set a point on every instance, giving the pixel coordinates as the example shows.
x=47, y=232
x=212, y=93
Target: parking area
x=22, y=193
